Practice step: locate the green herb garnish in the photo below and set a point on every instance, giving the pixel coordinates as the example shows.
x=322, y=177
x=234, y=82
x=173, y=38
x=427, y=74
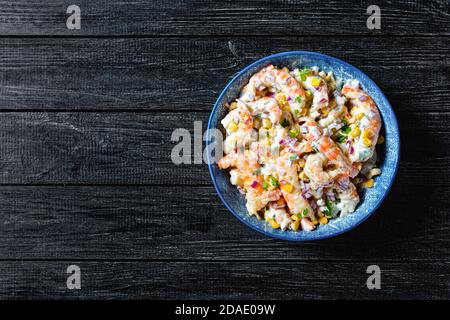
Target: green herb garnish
x=274, y=182
x=305, y=212
x=346, y=129
x=265, y=185
x=298, y=99
x=304, y=73
x=329, y=209
x=257, y=172
x=293, y=157
x=340, y=138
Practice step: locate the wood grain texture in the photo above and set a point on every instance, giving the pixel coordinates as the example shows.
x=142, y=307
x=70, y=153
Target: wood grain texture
x=180, y=74
x=219, y=280
x=218, y=17
x=135, y=148
x=86, y=118
x=190, y=223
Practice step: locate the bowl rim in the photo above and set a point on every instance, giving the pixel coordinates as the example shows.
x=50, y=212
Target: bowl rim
x=366, y=78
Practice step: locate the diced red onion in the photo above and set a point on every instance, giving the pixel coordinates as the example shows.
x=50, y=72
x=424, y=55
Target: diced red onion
x=331, y=196
x=288, y=99
x=343, y=185
x=306, y=195
x=363, y=98
x=241, y=191
x=352, y=150
x=317, y=88
x=313, y=204
x=323, y=100
x=254, y=184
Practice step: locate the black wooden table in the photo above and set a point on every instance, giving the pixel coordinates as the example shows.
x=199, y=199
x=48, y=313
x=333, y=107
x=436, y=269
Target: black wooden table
x=86, y=177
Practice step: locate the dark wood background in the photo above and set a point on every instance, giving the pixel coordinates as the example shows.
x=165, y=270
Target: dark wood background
x=85, y=173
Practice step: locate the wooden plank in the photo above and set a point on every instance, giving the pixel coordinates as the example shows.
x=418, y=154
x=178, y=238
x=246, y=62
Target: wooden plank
x=135, y=148
x=256, y=17
x=190, y=223
x=189, y=73
x=219, y=280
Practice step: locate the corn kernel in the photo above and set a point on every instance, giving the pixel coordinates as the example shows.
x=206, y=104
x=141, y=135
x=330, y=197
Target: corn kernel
x=303, y=176
x=266, y=123
x=359, y=116
x=380, y=139
x=355, y=132
x=308, y=93
x=315, y=222
x=285, y=69
x=295, y=225
x=281, y=98
x=328, y=77
x=232, y=126
x=295, y=217
x=320, y=214
x=323, y=220
x=315, y=82
x=233, y=105
x=369, y=183
x=367, y=142
x=287, y=187
x=368, y=133
x=274, y=224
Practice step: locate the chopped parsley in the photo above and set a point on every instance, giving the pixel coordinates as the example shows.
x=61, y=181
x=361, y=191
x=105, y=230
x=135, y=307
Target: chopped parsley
x=298, y=99
x=293, y=157
x=265, y=185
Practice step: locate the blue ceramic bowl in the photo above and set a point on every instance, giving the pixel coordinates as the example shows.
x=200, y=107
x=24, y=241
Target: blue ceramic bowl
x=389, y=153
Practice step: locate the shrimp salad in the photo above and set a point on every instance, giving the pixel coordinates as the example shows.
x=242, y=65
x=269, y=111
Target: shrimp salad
x=300, y=146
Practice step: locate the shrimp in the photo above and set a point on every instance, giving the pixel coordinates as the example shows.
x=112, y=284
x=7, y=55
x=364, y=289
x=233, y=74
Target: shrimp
x=314, y=169
x=246, y=176
x=307, y=225
x=268, y=108
x=319, y=88
x=257, y=198
x=281, y=81
x=326, y=146
x=367, y=118
x=288, y=175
